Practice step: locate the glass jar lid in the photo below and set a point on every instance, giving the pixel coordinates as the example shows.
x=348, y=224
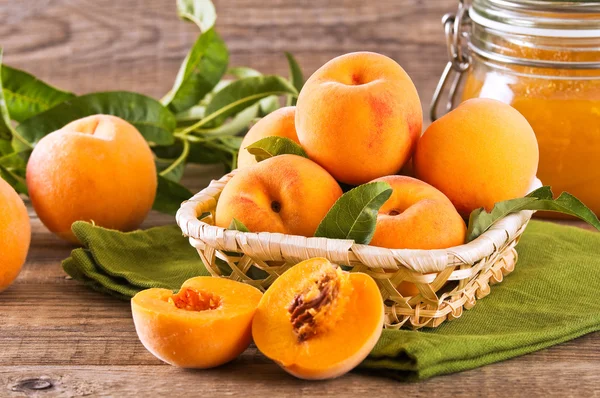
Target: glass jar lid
x=539, y=17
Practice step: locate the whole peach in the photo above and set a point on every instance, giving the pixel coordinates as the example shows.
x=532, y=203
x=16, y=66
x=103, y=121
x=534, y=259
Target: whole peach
x=286, y=193
x=15, y=230
x=481, y=153
x=359, y=116
x=279, y=123
x=98, y=169
x=417, y=216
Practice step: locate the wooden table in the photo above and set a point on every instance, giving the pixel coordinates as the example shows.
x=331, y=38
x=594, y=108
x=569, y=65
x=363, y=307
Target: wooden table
x=58, y=338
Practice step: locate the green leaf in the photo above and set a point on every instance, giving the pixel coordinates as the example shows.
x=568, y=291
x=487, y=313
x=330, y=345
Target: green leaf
x=12, y=170
x=241, y=94
x=242, y=72
x=199, y=73
x=223, y=147
x=268, y=104
x=5, y=145
x=237, y=225
x=14, y=180
x=354, y=214
x=26, y=95
x=169, y=196
x=174, y=171
x=540, y=199
x=201, y=153
x=155, y=122
x=296, y=76
x=197, y=112
x=7, y=131
x=237, y=124
x=200, y=12
x=194, y=113
x=272, y=146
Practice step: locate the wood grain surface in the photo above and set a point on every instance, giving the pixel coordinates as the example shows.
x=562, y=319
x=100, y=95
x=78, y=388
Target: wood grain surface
x=98, y=45
x=60, y=339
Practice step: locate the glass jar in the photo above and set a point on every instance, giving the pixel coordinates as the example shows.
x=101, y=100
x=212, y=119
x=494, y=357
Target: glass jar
x=543, y=58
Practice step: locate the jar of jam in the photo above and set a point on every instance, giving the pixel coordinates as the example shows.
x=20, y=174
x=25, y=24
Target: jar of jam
x=543, y=58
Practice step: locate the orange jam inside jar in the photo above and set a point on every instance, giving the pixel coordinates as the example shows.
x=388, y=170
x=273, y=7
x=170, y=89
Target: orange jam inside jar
x=543, y=58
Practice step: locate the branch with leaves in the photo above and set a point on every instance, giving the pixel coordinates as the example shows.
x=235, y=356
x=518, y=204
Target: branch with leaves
x=200, y=120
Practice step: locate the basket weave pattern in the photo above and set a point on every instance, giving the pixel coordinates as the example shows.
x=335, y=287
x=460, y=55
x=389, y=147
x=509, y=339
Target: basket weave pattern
x=259, y=258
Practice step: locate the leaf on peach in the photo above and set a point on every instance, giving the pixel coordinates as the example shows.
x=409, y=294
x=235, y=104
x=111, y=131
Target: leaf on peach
x=273, y=146
x=237, y=225
x=354, y=214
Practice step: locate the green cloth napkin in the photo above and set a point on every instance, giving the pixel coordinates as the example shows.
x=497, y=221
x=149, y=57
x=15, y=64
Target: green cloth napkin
x=551, y=297
x=122, y=264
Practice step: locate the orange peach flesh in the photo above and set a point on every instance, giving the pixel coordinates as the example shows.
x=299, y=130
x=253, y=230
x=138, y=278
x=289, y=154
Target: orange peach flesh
x=206, y=324
x=343, y=337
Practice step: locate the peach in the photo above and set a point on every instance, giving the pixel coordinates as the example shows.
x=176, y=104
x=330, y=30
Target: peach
x=15, y=230
x=98, y=169
x=279, y=123
x=317, y=321
x=481, y=153
x=417, y=216
x=208, y=323
x=286, y=193
x=359, y=116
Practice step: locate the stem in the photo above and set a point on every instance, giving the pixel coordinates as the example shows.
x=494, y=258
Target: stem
x=226, y=108
x=184, y=154
x=190, y=138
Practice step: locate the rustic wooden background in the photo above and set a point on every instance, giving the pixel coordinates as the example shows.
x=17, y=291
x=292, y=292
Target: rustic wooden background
x=94, y=45
x=56, y=331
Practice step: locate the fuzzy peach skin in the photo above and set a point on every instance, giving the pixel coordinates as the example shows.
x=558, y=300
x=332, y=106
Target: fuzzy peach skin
x=279, y=123
x=208, y=323
x=417, y=216
x=286, y=193
x=15, y=230
x=481, y=153
x=359, y=116
x=98, y=169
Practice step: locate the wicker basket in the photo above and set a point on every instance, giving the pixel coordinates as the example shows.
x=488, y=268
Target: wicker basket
x=469, y=268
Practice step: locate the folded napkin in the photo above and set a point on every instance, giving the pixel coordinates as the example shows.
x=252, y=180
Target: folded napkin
x=122, y=264
x=551, y=297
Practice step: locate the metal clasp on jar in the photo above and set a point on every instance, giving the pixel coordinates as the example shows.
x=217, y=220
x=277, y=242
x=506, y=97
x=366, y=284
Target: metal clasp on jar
x=454, y=29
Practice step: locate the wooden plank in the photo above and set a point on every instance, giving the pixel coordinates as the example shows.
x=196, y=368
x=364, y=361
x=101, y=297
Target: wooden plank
x=552, y=372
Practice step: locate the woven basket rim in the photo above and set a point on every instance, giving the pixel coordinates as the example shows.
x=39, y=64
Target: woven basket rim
x=423, y=261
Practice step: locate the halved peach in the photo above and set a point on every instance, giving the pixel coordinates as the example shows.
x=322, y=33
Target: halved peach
x=206, y=324
x=317, y=321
